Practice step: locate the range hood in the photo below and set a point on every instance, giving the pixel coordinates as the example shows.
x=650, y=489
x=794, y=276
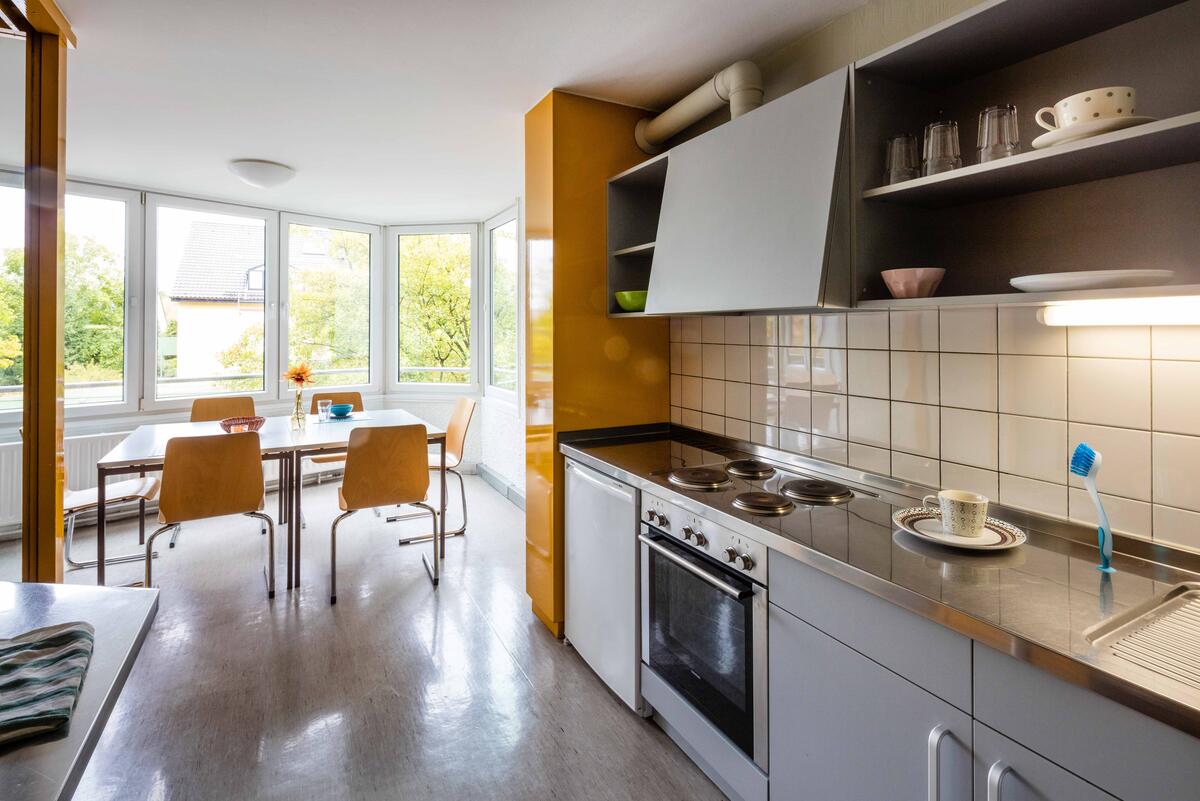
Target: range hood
x=755, y=213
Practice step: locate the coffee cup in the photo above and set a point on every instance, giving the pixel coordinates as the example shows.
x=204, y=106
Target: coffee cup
x=963, y=513
x=1094, y=104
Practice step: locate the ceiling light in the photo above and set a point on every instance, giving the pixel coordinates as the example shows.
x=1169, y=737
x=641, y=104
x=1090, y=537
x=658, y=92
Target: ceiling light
x=1130, y=311
x=262, y=174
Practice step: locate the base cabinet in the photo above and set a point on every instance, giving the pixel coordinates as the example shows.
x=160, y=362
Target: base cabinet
x=1006, y=771
x=842, y=728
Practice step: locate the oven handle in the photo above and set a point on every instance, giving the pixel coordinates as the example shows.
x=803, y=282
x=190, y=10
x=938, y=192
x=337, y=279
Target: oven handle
x=723, y=586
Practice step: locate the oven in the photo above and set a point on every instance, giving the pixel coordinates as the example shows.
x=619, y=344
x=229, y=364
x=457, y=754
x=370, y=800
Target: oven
x=704, y=633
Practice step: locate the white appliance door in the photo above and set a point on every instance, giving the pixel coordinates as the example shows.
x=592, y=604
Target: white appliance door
x=602, y=578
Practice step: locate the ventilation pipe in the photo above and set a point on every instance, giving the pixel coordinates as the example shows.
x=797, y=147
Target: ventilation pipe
x=739, y=85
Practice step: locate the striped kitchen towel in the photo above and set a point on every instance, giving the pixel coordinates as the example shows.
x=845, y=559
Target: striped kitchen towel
x=41, y=672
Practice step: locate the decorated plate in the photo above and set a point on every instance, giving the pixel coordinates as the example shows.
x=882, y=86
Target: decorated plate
x=926, y=523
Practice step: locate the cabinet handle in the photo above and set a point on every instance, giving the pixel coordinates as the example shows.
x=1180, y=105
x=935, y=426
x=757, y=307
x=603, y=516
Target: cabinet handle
x=996, y=774
x=936, y=735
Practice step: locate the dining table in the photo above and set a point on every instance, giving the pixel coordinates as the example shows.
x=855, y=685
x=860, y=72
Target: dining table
x=281, y=440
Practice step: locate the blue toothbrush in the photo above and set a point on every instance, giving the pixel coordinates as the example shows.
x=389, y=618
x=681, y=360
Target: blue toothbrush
x=1085, y=462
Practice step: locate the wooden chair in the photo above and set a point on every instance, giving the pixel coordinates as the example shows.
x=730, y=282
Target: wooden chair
x=206, y=410
x=456, y=441
x=385, y=466
x=213, y=476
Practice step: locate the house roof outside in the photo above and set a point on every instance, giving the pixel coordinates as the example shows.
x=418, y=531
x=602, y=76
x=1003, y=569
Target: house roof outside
x=217, y=257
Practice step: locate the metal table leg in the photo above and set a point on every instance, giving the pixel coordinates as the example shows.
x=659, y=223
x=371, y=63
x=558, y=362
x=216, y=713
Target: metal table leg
x=441, y=522
x=100, y=526
x=296, y=514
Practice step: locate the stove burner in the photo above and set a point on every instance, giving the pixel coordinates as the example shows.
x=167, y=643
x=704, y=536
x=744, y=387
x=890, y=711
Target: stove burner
x=750, y=468
x=703, y=479
x=763, y=503
x=816, y=491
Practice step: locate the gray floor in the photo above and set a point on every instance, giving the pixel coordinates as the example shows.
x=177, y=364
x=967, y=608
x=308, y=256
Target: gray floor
x=397, y=692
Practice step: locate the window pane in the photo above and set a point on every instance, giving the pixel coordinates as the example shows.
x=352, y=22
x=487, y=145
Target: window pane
x=329, y=303
x=434, y=308
x=209, y=310
x=12, y=294
x=94, y=318
x=503, y=252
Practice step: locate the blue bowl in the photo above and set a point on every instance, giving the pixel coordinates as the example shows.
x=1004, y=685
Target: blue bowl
x=341, y=409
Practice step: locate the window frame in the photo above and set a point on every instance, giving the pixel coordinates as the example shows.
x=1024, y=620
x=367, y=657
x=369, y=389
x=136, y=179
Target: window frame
x=507, y=397
x=134, y=277
x=391, y=271
x=375, y=346
x=271, y=387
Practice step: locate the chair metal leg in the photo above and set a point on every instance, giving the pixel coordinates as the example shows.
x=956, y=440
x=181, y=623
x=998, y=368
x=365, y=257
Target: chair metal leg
x=458, y=532
x=333, y=555
x=269, y=524
x=434, y=571
x=150, y=553
x=174, y=536
x=74, y=565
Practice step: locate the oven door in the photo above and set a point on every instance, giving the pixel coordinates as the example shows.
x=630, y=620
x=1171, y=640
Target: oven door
x=704, y=632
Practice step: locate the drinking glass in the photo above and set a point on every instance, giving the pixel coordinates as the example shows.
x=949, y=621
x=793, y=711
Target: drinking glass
x=998, y=137
x=941, y=148
x=902, y=164
x=323, y=410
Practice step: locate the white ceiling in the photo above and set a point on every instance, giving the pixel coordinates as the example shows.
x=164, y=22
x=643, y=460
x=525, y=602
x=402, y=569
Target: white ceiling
x=390, y=110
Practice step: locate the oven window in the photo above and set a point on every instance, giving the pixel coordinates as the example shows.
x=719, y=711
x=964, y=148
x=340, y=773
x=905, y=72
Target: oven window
x=701, y=644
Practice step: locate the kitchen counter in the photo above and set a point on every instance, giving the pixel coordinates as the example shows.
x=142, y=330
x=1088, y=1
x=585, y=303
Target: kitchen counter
x=1034, y=602
x=49, y=767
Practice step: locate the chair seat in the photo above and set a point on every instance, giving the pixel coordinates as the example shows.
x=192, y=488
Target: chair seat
x=435, y=462
x=332, y=458
x=133, y=489
x=262, y=504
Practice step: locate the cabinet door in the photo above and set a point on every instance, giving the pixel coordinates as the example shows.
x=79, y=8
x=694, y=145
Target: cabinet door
x=1006, y=771
x=842, y=728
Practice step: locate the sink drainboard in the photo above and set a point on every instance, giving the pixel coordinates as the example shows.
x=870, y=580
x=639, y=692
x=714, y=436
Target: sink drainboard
x=1162, y=635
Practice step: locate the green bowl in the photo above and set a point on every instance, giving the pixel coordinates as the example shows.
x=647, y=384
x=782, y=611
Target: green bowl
x=631, y=301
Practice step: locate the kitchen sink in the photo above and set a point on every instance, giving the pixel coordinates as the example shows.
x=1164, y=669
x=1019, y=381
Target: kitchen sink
x=1161, y=635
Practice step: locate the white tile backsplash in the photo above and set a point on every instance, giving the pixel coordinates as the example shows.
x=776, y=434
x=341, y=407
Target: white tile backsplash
x=1112, y=392
x=973, y=398
x=968, y=330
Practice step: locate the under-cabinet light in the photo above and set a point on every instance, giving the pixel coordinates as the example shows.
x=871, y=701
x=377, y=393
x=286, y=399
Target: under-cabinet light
x=1125, y=311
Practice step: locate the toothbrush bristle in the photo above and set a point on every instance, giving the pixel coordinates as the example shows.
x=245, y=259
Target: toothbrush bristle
x=1082, y=459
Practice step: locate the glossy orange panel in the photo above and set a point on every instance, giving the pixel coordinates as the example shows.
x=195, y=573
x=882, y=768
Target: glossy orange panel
x=583, y=369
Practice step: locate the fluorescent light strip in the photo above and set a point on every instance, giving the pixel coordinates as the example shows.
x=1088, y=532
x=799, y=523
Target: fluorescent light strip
x=1130, y=311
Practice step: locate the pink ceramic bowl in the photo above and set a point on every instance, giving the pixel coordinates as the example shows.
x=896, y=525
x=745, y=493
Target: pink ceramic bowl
x=913, y=282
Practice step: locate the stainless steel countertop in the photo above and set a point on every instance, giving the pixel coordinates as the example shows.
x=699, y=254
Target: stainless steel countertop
x=1033, y=602
x=50, y=766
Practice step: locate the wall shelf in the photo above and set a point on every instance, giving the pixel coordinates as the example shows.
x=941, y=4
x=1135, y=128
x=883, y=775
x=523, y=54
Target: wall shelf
x=631, y=314
x=647, y=247
x=1163, y=143
x=1032, y=298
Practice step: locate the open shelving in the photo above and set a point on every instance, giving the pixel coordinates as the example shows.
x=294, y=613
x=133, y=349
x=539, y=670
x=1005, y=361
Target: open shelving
x=634, y=203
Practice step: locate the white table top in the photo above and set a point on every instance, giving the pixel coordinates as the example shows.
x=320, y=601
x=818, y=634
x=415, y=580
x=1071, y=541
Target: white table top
x=148, y=444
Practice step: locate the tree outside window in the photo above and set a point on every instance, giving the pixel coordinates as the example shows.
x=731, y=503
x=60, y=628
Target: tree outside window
x=503, y=255
x=434, y=308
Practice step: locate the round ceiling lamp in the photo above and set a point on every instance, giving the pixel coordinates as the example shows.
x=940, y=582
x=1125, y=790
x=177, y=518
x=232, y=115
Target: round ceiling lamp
x=260, y=173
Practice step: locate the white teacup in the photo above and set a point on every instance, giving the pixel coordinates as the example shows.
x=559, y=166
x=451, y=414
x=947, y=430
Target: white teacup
x=963, y=513
x=1094, y=104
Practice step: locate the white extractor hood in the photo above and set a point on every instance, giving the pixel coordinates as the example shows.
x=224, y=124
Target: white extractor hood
x=755, y=213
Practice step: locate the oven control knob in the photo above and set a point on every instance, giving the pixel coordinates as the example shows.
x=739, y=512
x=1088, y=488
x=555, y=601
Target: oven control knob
x=730, y=554
x=688, y=533
x=691, y=535
x=662, y=520
x=651, y=515
x=744, y=561
x=701, y=540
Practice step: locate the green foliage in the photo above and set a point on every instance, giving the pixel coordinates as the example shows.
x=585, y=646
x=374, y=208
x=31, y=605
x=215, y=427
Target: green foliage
x=504, y=306
x=93, y=320
x=435, y=306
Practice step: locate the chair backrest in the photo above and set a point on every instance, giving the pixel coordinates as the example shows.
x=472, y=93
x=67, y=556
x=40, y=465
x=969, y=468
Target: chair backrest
x=208, y=409
x=352, y=398
x=211, y=476
x=386, y=466
x=456, y=430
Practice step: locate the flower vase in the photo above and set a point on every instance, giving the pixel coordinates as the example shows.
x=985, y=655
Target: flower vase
x=299, y=418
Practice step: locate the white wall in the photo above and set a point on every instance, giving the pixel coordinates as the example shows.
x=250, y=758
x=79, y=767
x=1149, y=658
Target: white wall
x=503, y=441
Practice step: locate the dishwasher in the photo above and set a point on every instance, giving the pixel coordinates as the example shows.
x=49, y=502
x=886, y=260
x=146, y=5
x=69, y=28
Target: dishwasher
x=602, y=610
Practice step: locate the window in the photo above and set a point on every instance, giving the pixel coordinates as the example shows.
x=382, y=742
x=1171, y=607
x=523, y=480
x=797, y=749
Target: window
x=329, y=302
x=210, y=279
x=504, y=302
x=94, y=319
x=433, y=311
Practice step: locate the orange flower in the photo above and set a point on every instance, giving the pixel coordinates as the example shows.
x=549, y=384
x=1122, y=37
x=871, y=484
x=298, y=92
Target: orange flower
x=299, y=374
